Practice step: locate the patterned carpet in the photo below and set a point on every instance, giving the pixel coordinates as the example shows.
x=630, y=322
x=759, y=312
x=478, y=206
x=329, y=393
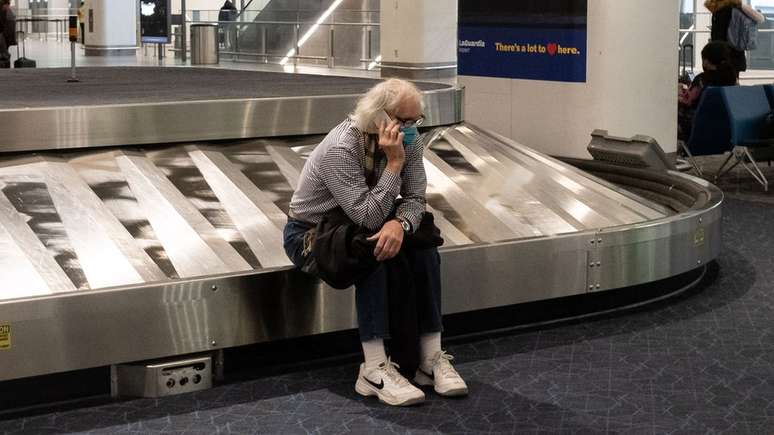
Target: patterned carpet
x=700, y=363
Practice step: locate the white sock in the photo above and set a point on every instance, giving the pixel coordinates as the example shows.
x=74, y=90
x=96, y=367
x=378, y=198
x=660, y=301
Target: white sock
x=374, y=352
x=429, y=346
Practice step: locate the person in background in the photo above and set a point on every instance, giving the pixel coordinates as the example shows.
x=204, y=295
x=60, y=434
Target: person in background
x=719, y=64
x=81, y=22
x=7, y=32
x=371, y=167
x=719, y=70
x=228, y=12
x=721, y=19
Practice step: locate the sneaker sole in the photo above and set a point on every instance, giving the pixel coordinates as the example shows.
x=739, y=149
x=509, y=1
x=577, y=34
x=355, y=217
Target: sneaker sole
x=366, y=390
x=454, y=392
x=423, y=380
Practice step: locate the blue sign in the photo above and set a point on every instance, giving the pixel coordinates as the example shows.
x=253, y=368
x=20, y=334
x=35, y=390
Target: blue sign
x=533, y=54
x=524, y=39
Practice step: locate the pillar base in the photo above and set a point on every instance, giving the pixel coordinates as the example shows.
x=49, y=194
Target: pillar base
x=110, y=51
x=418, y=71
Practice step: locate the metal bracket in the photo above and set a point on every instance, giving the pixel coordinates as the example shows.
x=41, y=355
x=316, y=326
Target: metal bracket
x=594, y=262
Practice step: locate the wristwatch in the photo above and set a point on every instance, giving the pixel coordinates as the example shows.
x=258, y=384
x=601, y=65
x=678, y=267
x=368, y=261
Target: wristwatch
x=405, y=224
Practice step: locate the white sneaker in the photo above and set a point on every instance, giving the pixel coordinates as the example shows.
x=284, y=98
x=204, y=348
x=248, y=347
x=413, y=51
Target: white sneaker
x=386, y=383
x=445, y=380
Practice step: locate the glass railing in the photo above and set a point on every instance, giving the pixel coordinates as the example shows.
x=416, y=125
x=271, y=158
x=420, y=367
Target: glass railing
x=44, y=22
x=334, y=38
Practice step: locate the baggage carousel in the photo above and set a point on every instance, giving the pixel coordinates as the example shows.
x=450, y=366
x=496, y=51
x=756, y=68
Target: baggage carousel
x=142, y=224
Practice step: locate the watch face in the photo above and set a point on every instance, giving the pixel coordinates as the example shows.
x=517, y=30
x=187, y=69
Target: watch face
x=405, y=225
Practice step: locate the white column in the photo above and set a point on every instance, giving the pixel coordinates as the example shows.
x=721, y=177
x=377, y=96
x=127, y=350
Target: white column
x=631, y=88
x=703, y=24
x=113, y=30
x=418, y=38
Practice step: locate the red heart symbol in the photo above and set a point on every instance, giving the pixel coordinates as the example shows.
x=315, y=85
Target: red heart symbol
x=552, y=49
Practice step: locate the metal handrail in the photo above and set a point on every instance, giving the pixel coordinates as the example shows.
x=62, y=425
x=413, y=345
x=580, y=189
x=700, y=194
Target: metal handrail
x=289, y=23
x=241, y=23
x=691, y=30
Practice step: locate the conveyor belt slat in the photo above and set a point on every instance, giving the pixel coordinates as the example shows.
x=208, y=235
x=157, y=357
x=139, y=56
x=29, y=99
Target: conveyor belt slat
x=256, y=217
x=289, y=163
x=511, y=186
x=27, y=266
x=192, y=243
x=445, y=180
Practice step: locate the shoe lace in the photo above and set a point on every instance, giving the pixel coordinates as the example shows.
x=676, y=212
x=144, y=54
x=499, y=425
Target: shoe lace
x=445, y=368
x=391, y=371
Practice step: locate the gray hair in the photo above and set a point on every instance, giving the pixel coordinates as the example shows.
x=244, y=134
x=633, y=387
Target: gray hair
x=387, y=96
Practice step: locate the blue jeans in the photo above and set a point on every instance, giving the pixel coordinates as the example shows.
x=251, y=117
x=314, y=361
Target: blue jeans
x=371, y=293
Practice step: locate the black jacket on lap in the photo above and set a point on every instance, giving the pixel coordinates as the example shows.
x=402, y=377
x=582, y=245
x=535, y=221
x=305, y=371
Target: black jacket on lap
x=342, y=255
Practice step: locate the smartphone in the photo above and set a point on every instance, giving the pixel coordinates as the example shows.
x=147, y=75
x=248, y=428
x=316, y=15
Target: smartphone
x=380, y=117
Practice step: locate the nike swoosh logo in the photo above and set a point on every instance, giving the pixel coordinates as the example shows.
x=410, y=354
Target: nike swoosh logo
x=378, y=386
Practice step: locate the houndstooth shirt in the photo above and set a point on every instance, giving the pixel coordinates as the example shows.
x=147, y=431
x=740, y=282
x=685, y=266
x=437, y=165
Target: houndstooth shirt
x=334, y=176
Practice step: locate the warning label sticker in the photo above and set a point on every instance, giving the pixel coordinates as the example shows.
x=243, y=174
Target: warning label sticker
x=5, y=337
x=698, y=237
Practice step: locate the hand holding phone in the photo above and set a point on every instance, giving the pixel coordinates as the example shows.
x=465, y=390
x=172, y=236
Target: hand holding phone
x=391, y=142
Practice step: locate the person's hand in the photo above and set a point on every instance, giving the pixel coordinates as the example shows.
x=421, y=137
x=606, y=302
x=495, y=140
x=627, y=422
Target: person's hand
x=391, y=142
x=682, y=94
x=388, y=240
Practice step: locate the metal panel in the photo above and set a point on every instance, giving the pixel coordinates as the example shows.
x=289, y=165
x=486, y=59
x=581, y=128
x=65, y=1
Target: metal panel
x=644, y=254
x=153, y=123
x=192, y=316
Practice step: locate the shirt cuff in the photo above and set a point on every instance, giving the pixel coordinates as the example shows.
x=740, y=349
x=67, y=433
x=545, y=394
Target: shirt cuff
x=411, y=218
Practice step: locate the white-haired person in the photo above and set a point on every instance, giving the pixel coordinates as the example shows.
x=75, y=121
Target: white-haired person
x=370, y=166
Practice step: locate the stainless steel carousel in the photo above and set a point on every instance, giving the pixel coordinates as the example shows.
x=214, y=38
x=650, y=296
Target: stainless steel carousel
x=131, y=231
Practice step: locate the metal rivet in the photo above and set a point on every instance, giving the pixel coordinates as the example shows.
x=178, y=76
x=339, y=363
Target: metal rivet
x=213, y=343
x=214, y=288
x=700, y=220
x=591, y=264
x=698, y=262
x=599, y=263
x=599, y=240
x=592, y=242
x=598, y=286
x=591, y=287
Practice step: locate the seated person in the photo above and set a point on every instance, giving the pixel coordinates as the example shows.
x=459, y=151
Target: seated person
x=361, y=167
x=718, y=71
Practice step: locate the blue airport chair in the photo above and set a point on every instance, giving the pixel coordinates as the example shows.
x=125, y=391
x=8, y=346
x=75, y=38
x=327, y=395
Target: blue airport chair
x=711, y=132
x=770, y=94
x=747, y=107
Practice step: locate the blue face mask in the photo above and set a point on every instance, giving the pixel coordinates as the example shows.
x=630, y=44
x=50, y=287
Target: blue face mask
x=409, y=135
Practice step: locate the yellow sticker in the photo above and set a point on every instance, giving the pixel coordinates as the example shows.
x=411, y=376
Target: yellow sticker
x=698, y=237
x=5, y=337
